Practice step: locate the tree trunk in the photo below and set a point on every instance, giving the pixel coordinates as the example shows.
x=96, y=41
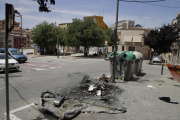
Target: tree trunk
x=63, y=50
x=151, y=59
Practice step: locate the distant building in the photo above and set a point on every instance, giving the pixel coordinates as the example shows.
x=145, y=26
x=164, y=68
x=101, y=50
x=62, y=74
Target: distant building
x=15, y=36
x=124, y=24
x=64, y=25
x=132, y=40
x=2, y=24
x=99, y=21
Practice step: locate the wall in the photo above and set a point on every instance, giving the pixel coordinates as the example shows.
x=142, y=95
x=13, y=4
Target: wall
x=139, y=46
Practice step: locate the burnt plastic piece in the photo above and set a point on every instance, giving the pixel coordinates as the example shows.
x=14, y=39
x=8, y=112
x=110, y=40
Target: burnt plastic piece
x=58, y=101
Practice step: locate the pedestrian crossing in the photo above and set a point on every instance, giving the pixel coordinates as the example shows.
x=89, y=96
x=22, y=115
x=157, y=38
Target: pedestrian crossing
x=36, y=66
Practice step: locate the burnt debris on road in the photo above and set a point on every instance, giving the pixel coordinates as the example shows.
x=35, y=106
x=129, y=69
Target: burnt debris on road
x=91, y=95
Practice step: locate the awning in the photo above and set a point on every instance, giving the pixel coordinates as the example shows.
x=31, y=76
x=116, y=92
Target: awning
x=137, y=39
x=127, y=39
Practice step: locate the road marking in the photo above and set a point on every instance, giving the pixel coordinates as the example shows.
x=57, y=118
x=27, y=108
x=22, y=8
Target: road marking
x=52, y=67
x=13, y=117
x=43, y=65
x=30, y=64
x=38, y=69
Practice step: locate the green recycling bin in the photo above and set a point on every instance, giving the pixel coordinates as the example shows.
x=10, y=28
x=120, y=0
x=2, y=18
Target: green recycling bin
x=124, y=68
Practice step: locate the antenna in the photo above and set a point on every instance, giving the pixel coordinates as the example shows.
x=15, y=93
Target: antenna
x=103, y=12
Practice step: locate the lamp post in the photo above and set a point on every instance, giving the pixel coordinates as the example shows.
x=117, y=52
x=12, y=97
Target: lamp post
x=15, y=11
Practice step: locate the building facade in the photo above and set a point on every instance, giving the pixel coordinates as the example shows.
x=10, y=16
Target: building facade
x=131, y=40
x=64, y=25
x=15, y=36
x=98, y=20
x=124, y=24
x=2, y=24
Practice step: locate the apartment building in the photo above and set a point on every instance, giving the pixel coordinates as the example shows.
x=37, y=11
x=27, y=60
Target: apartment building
x=64, y=25
x=99, y=21
x=124, y=24
x=14, y=36
x=2, y=24
x=132, y=40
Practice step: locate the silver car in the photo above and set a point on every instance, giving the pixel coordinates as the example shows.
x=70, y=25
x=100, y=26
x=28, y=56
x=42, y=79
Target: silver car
x=12, y=63
x=157, y=59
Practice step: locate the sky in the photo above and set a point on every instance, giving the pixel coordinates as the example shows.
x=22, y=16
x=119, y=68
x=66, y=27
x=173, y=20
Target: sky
x=149, y=16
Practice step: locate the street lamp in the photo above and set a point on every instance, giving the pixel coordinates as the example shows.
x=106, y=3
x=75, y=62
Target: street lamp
x=15, y=11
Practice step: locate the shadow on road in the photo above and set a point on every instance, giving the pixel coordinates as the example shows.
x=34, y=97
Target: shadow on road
x=177, y=85
x=167, y=99
x=141, y=74
x=158, y=64
x=170, y=78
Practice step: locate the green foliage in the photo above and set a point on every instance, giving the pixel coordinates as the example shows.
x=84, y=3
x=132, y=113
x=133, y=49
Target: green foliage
x=109, y=36
x=45, y=34
x=84, y=33
x=161, y=39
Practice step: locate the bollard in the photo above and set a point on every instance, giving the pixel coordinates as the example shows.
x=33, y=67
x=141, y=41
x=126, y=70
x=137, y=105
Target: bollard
x=162, y=67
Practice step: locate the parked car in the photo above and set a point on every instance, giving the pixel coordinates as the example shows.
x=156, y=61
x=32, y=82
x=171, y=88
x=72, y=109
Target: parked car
x=157, y=59
x=16, y=54
x=12, y=63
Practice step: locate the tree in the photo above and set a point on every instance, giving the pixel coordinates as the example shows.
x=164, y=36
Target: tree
x=84, y=33
x=109, y=36
x=45, y=34
x=43, y=6
x=161, y=39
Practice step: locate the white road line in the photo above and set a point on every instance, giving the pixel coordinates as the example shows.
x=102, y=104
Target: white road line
x=21, y=108
x=52, y=67
x=43, y=65
x=13, y=117
x=29, y=64
x=38, y=69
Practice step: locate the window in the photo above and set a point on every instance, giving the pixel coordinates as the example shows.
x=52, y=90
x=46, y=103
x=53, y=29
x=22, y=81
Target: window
x=129, y=25
x=131, y=48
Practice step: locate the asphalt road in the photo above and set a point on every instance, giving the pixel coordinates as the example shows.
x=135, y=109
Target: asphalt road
x=49, y=73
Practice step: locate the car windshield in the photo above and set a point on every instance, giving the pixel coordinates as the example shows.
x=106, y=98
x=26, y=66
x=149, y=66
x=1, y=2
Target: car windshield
x=15, y=52
x=3, y=57
x=156, y=56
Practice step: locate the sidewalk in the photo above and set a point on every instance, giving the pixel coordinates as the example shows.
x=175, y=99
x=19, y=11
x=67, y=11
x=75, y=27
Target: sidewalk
x=164, y=58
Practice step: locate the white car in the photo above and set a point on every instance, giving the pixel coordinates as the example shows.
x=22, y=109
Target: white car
x=157, y=59
x=12, y=63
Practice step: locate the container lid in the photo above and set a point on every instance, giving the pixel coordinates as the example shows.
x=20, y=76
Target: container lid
x=137, y=54
x=128, y=54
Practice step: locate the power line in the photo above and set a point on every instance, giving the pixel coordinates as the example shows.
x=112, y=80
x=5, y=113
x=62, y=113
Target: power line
x=147, y=2
x=162, y=5
x=142, y=1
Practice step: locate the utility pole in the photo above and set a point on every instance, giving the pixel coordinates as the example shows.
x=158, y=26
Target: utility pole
x=6, y=59
x=115, y=44
x=21, y=33
x=58, y=46
x=9, y=16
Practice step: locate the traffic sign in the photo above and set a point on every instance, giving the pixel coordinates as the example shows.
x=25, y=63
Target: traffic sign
x=22, y=44
x=106, y=42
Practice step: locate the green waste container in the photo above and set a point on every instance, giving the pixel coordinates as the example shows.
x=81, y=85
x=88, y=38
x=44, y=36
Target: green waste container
x=120, y=66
